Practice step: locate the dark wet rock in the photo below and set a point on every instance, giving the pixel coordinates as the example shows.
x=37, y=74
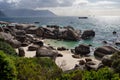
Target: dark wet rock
x=61, y=48
x=104, y=42
x=90, y=45
x=53, y=26
x=76, y=56
x=73, y=51
x=40, y=43
x=82, y=62
x=114, y=32
x=117, y=43
x=104, y=50
x=59, y=55
x=21, y=38
x=88, y=59
x=88, y=34
x=21, y=52
x=33, y=47
x=25, y=44
x=82, y=49
x=107, y=61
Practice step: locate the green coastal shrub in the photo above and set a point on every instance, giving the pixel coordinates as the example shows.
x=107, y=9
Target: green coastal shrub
x=72, y=75
x=7, y=68
x=116, y=62
x=102, y=74
x=36, y=69
x=6, y=48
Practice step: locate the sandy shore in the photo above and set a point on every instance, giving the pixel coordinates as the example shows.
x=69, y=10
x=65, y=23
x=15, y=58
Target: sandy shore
x=66, y=62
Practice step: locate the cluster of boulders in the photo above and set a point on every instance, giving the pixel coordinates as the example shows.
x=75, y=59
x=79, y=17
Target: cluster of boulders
x=22, y=35
x=88, y=64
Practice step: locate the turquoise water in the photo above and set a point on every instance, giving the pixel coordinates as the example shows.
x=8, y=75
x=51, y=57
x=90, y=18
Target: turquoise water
x=103, y=26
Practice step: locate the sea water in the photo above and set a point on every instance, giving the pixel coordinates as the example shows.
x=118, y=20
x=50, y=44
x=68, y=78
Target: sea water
x=102, y=25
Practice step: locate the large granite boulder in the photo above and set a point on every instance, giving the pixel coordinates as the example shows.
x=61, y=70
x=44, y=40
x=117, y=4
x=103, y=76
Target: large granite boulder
x=6, y=36
x=20, y=32
x=39, y=31
x=104, y=50
x=82, y=49
x=87, y=34
x=71, y=34
x=14, y=43
x=43, y=52
x=24, y=26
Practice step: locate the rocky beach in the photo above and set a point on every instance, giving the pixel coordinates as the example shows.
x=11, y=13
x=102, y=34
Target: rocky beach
x=29, y=40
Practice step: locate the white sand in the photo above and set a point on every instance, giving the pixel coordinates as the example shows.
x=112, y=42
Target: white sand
x=28, y=53
x=66, y=62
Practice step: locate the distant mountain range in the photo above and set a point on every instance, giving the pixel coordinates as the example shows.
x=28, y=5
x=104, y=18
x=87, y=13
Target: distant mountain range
x=26, y=13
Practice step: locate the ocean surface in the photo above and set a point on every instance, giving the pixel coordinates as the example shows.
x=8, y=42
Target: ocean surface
x=103, y=26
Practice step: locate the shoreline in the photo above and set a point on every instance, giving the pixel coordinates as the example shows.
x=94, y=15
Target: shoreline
x=31, y=35
x=67, y=62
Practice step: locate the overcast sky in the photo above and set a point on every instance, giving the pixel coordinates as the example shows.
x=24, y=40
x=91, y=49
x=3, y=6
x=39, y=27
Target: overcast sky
x=67, y=7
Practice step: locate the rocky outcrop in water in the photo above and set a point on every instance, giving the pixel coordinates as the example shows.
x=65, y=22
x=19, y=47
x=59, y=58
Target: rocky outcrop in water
x=88, y=34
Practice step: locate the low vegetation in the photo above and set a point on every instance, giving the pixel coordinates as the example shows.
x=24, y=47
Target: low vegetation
x=36, y=69
x=7, y=48
x=102, y=74
x=18, y=68
x=7, y=68
x=116, y=62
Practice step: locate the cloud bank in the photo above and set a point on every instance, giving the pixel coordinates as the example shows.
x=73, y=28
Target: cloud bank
x=62, y=5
